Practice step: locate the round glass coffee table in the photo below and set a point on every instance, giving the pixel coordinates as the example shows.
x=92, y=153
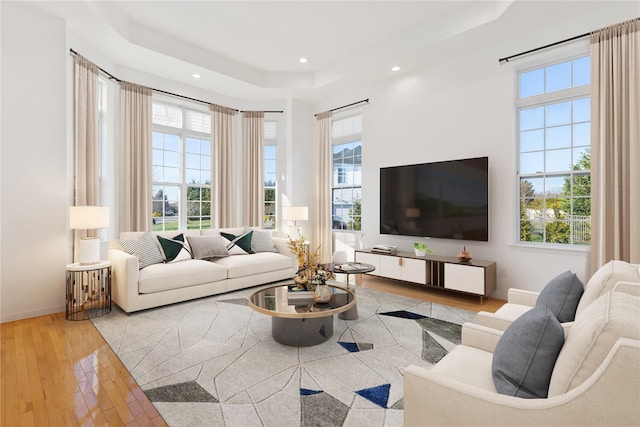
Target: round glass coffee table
x=296, y=319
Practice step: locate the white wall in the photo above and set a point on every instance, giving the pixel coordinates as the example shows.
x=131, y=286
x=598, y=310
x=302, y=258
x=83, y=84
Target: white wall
x=34, y=179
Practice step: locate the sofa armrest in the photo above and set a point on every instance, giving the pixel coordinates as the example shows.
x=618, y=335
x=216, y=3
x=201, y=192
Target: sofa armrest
x=282, y=246
x=632, y=288
x=492, y=320
x=522, y=297
x=480, y=337
x=124, y=278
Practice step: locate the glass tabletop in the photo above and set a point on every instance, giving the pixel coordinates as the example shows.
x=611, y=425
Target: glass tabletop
x=353, y=268
x=281, y=301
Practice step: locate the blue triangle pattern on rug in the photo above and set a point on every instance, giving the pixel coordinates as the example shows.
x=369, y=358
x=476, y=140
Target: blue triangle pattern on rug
x=404, y=314
x=308, y=392
x=351, y=347
x=378, y=395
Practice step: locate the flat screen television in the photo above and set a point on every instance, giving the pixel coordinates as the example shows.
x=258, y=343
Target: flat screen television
x=446, y=200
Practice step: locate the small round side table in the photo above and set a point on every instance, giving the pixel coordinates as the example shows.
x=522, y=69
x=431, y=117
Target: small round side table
x=88, y=290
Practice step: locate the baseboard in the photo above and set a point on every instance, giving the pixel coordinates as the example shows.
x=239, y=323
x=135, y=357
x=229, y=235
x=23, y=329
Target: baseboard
x=26, y=315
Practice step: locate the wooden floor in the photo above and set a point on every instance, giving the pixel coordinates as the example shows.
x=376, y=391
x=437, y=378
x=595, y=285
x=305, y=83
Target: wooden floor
x=61, y=373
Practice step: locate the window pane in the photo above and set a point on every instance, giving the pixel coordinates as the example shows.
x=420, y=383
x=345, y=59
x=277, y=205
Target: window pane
x=270, y=152
x=532, y=162
x=558, y=114
x=192, y=145
x=532, y=118
x=581, y=71
x=558, y=137
x=558, y=160
x=171, y=142
x=582, y=134
x=532, y=140
x=582, y=110
x=167, y=115
x=582, y=158
x=205, y=163
x=172, y=158
x=197, y=121
x=157, y=140
x=532, y=83
x=192, y=176
x=558, y=77
x=555, y=185
x=531, y=187
x=193, y=161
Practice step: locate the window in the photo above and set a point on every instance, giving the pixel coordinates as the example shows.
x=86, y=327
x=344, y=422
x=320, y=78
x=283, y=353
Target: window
x=554, y=140
x=181, y=168
x=270, y=175
x=347, y=173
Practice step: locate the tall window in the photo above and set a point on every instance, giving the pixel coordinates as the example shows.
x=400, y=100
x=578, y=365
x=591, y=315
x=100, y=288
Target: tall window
x=270, y=175
x=554, y=176
x=181, y=168
x=347, y=173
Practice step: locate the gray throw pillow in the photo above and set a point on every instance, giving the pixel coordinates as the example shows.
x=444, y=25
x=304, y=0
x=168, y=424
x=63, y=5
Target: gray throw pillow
x=525, y=355
x=261, y=240
x=208, y=247
x=146, y=249
x=562, y=295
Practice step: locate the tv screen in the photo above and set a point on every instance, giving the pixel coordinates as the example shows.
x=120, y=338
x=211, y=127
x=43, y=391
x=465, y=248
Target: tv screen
x=447, y=200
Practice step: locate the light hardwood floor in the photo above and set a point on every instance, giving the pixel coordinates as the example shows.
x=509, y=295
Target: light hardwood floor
x=61, y=373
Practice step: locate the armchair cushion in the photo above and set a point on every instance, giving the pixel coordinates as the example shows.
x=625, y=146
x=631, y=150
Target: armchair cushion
x=614, y=315
x=526, y=353
x=605, y=278
x=562, y=295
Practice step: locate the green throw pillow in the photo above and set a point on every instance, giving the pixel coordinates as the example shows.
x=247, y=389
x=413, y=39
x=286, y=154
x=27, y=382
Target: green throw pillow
x=242, y=241
x=171, y=247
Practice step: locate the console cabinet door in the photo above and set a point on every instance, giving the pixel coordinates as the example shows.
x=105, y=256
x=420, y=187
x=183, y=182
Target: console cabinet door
x=466, y=278
x=414, y=270
x=391, y=267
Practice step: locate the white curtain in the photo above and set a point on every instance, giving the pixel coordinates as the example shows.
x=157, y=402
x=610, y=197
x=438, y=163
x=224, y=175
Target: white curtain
x=253, y=135
x=615, y=144
x=323, y=229
x=135, y=188
x=222, y=135
x=86, y=168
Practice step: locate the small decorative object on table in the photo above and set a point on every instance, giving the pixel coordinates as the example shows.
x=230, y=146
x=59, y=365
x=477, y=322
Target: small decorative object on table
x=464, y=256
x=320, y=276
x=421, y=249
x=307, y=262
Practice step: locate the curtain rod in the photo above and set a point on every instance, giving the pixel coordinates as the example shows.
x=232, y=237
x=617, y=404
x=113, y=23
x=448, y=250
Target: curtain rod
x=111, y=76
x=346, y=106
x=506, y=59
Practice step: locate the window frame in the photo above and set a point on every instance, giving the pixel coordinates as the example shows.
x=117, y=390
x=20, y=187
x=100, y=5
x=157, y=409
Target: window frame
x=544, y=100
x=183, y=186
x=345, y=140
x=271, y=142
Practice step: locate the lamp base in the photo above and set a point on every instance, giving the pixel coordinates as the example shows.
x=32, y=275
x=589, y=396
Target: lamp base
x=89, y=250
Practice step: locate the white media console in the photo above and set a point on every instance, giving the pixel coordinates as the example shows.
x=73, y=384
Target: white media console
x=475, y=277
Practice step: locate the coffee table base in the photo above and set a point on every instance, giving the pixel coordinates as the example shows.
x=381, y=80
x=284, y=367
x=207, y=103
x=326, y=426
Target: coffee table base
x=302, y=332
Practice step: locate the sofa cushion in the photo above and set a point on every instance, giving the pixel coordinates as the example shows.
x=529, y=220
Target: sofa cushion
x=238, y=244
x=145, y=248
x=174, y=249
x=562, y=295
x=468, y=365
x=512, y=311
x=596, y=329
x=524, y=357
x=261, y=240
x=248, y=265
x=163, y=277
x=605, y=278
x=208, y=247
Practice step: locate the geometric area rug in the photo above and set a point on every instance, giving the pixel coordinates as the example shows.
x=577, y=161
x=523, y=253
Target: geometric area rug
x=213, y=361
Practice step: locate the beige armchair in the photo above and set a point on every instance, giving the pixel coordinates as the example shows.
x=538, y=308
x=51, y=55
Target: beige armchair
x=520, y=301
x=595, y=379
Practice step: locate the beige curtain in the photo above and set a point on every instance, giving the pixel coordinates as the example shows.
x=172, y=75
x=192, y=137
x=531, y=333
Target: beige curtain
x=222, y=135
x=135, y=190
x=253, y=135
x=86, y=168
x=615, y=144
x=323, y=230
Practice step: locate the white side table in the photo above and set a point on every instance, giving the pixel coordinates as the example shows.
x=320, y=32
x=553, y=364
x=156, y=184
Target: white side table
x=88, y=290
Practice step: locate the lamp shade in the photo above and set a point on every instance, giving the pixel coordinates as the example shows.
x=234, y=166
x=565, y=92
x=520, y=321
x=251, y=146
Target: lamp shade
x=88, y=217
x=295, y=213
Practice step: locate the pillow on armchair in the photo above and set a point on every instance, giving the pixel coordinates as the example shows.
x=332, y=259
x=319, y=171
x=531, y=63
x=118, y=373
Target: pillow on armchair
x=562, y=295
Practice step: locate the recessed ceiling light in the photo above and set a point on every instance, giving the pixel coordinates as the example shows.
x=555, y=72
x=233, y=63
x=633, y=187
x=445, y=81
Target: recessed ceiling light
x=303, y=60
x=395, y=68
x=195, y=75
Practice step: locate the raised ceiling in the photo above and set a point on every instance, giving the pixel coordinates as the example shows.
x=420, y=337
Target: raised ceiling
x=250, y=49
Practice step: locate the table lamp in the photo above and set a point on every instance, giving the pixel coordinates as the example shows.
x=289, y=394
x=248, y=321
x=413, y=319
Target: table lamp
x=88, y=218
x=295, y=214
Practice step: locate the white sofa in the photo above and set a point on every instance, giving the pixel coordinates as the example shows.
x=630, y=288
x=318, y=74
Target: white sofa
x=595, y=378
x=135, y=289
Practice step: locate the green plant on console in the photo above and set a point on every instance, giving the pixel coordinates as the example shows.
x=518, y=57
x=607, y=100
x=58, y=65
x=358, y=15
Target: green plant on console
x=422, y=247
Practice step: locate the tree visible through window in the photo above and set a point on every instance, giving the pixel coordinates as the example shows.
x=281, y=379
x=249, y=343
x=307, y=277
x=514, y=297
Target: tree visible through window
x=554, y=153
